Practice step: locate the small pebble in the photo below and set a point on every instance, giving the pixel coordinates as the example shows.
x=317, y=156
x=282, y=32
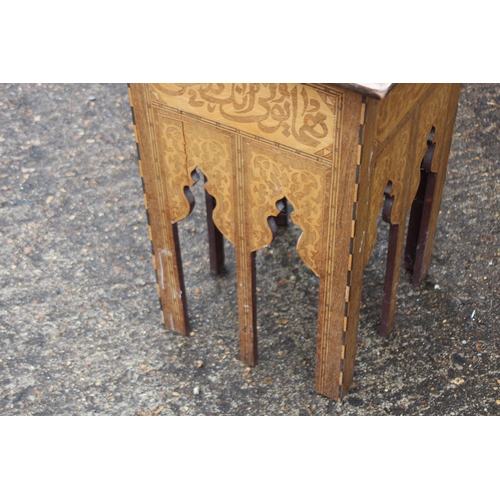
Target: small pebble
x=196, y=391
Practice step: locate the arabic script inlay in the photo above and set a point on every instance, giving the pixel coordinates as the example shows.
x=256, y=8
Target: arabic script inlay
x=290, y=114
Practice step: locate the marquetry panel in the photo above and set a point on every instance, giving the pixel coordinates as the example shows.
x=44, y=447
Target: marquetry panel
x=271, y=176
x=268, y=173
x=214, y=151
x=291, y=114
x=396, y=106
x=172, y=160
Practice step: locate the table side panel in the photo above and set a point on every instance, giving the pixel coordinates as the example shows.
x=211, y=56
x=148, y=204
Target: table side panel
x=396, y=106
x=295, y=115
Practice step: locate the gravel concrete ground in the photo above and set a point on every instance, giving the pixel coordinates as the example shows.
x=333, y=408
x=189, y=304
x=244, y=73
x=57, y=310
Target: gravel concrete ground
x=80, y=326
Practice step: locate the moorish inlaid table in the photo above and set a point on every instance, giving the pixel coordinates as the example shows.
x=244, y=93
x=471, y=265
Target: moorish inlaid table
x=340, y=153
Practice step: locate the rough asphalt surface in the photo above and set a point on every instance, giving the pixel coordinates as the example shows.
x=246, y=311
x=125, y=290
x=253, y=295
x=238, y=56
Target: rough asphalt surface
x=80, y=325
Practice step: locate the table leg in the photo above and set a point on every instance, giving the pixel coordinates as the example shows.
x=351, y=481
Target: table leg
x=394, y=256
x=428, y=225
x=247, y=310
x=167, y=262
x=393, y=268
x=158, y=202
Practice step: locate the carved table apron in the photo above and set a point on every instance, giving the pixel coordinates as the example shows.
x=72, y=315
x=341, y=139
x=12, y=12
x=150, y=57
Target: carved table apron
x=338, y=153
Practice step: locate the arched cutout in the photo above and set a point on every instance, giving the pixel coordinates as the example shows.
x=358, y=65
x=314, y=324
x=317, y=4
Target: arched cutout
x=287, y=299
x=279, y=220
x=282, y=217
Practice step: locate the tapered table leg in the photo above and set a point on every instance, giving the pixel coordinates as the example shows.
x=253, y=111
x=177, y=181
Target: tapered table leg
x=394, y=257
x=157, y=197
x=426, y=234
x=393, y=267
x=247, y=311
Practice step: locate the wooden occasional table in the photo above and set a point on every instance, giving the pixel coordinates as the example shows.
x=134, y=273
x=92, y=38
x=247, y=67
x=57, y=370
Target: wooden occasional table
x=339, y=153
